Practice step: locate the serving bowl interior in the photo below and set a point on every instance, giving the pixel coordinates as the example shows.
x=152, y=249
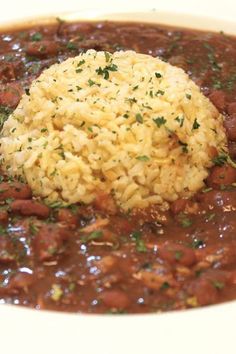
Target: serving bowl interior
x=63, y=330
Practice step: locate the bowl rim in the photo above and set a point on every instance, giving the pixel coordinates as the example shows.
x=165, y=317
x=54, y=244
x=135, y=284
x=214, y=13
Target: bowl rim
x=79, y=326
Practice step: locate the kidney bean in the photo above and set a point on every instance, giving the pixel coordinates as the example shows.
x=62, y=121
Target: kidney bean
x=14, y=190
x=21, y=280
x=66, y=216
x=174, y=253
x=30, y=208
x=42, y=48
x=218, y=99
x=231, y=108
x=230, y=126
x=10, y=95
x=6, y=250
x=49, y=241
x=232, y=149
x=3, y=216
x=219, y=199
x=105, y=203
x=221, y=175
x=115, y=299
x=156, y=277
x=204, y=291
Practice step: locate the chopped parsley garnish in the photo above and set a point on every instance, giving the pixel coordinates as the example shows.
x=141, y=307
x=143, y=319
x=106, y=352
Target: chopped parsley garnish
x=186, y=222
x=220, y=160
x=44, y=130
x=4, y=114
x=36, y=37
x=180, y=120
x=184, y=146
x=196, y=125
x=143, y=158
x=158, y=75
x=160, y=92
x=218, y=284
x=27, y=91
x=135, y=87
x=91, y=83
x=188, y=96
x=125, y=115
x=105, y=71
x=197, y=243
x=71, y=46
x=107, y=56
x=93, y=236
x=165, y=286
x=140, y=245
x=139, y=118
x=178, y=255
x=159, y=121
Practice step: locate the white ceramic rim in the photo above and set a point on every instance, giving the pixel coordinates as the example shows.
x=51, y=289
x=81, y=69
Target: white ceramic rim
x=206, y=330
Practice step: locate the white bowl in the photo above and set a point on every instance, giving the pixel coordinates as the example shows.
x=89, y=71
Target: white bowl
x=209, y=330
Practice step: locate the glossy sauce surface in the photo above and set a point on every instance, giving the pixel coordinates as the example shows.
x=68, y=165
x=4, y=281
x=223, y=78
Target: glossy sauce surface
x=95, y=258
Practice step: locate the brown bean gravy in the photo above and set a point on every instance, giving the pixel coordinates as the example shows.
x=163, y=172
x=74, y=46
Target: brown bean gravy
x=95, y=258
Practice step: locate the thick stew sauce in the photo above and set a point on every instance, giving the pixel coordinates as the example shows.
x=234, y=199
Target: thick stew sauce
x=96, y=258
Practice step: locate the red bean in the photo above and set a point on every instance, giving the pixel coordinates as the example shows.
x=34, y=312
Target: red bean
x=219, y=199
x=49, y=241
x=21, y=280
x=42, y=48
x=232, y=149
x=104, y=202
x=221, y=175
x=116, y=299
x=11, y=94
x=66, y=216
x=218, y=99
x=204, y=291
x=174, y=253
x=178, y=206
x=3, y=216
x=14, y=190
x=230, y=126
x=231, y=108
x=6, y=251
x=30, y=208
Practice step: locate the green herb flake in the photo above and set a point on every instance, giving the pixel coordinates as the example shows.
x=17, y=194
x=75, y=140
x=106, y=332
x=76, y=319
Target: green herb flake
x=184, y=146
x=36, y=37
x=197, y=243
x=143, y=158
x=91, y=82
x=186, y=222
x=139, y=118
x=107, y=56
x=140, y=245
x=158, y=75
x=165, y=286
x=159, y=121
x=218, y=284
x=105, y=71
x=180, y=120
x=71, y=46
x=220, y=160
x=196, y=125
x=93, y=236
x=188, y=96
x=135, y=87
x=43, y=130
x=178, y=255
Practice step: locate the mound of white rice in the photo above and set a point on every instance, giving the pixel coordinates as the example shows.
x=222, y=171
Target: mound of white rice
x=128, y=124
